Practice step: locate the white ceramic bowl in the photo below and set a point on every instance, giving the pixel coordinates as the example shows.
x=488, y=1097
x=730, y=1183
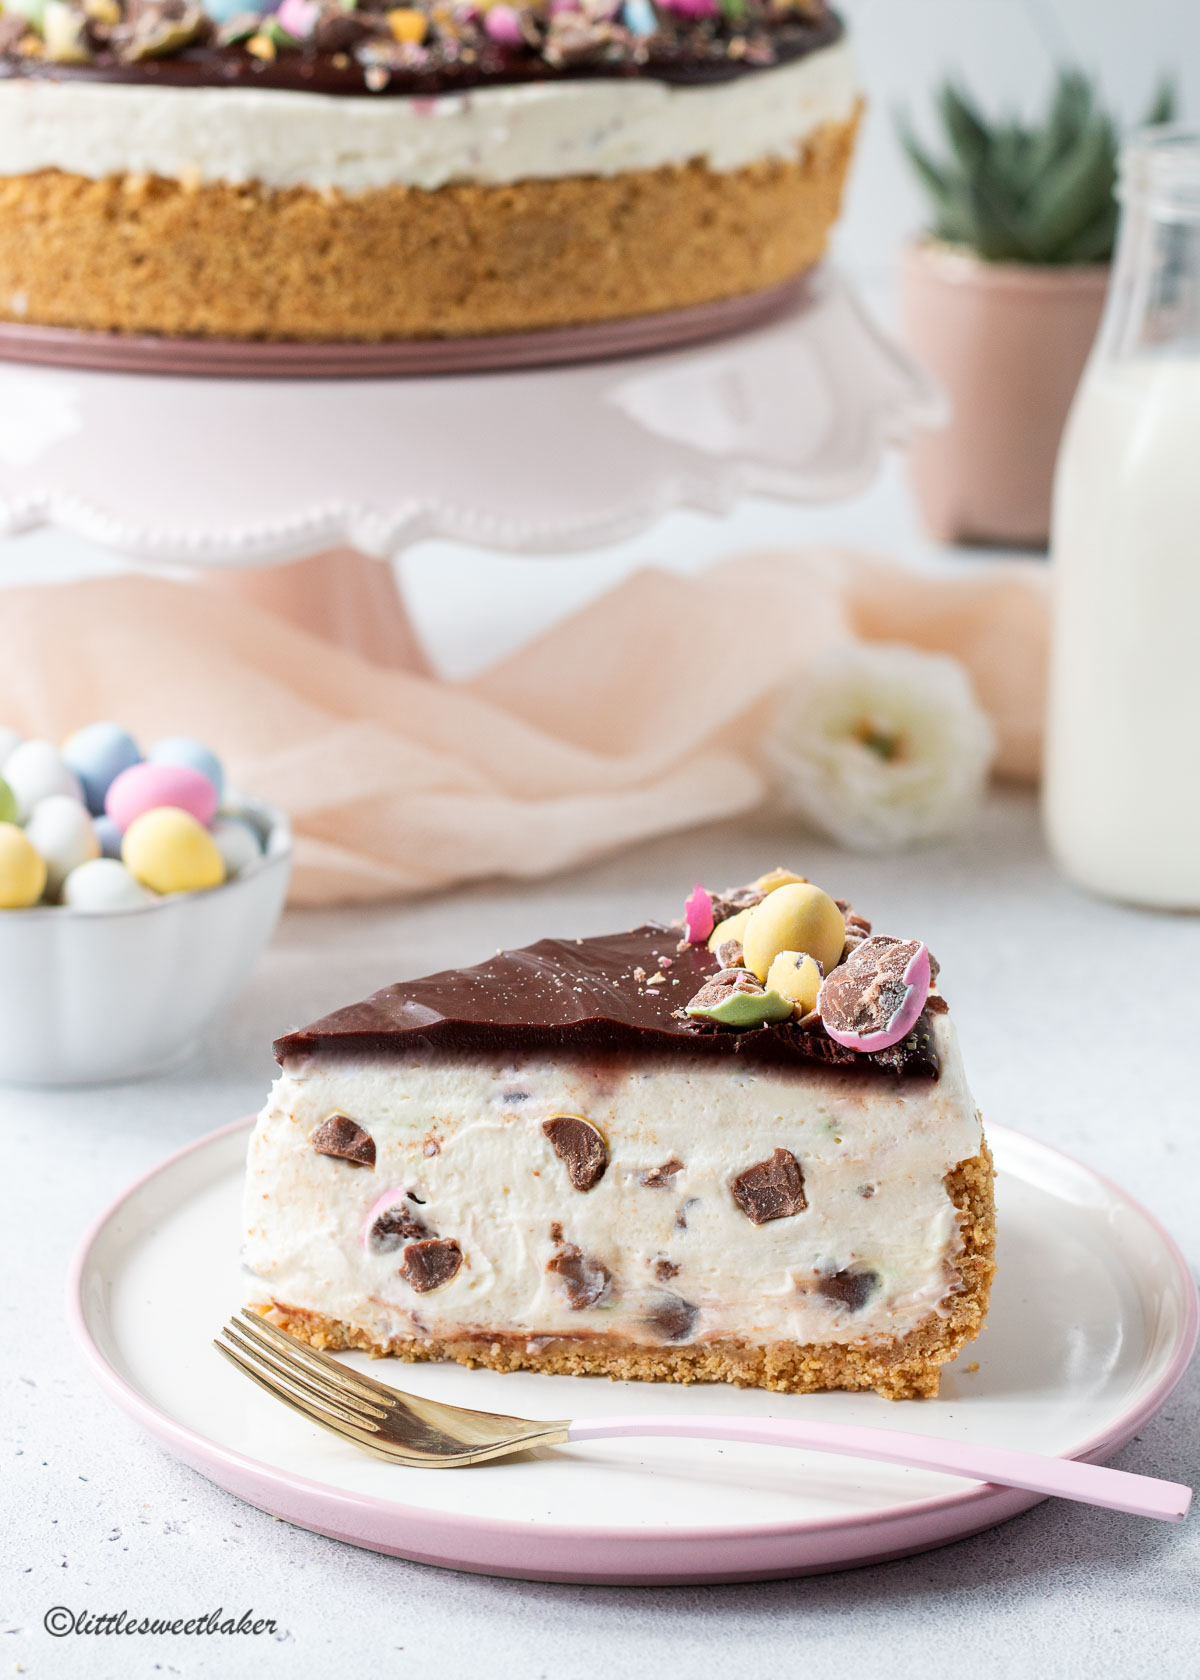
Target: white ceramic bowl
x=118, y=994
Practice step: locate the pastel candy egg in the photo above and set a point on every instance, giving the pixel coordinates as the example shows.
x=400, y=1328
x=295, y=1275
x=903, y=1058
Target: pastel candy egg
x=795, y=975
x=109, y=836
x=22, y=869
x=8, y=803
x=169, y=851
x=98, y=754
x=182, y=749
x=34, y=771
x=150, y=787
x=103, y=884
x=797, y=917
x=238, y=843
x=61, y=831
x=9, y=742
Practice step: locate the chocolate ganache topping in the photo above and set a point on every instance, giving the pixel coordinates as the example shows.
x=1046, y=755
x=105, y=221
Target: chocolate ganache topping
x=620, y=994
x=421, y=48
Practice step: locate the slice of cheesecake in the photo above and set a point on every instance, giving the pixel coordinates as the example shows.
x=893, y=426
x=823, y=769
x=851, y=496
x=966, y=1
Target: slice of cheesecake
x=740, y=1149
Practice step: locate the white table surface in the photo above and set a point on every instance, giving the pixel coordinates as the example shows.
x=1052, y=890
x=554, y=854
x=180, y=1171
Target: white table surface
x=1076, y=1019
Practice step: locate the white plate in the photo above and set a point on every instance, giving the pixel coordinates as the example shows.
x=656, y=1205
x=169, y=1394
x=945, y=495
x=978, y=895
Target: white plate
x=1093, y=1320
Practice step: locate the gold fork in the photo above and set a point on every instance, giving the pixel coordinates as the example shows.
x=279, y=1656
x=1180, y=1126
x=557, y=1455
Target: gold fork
x=406, y=1429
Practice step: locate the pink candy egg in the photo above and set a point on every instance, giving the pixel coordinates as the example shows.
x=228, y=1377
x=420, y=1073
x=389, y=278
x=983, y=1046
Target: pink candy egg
x=148, y=787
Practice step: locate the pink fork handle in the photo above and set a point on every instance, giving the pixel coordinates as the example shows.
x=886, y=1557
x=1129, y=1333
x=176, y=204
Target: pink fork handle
x=1066, y=1478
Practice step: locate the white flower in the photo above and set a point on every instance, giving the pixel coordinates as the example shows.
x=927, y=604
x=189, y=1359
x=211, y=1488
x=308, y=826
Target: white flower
x=881, y=746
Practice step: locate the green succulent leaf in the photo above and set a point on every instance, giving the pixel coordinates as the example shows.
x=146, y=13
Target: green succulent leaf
x=1027, y=192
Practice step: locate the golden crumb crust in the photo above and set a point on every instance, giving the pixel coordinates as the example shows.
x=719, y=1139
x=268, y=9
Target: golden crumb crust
x=907, y=1368
x=145, y=254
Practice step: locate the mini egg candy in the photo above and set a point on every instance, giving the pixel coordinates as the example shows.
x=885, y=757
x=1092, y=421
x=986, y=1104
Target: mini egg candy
x=35, y=771
x=8, y=803
x=22, y=869
x=182, y=749
x=169, y=851
x=151, y=787
x=9, y=742
x=104, y=884
x=796, y=917
x=98, y=754
x=61, y=831
x=797, y=976
x=238, y=843
x=109, y=836
x=875, y=998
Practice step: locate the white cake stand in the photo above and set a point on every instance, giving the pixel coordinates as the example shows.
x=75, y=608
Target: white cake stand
x=299, y=491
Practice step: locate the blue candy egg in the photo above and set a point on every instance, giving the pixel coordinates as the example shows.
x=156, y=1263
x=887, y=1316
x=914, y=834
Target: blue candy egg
x=182, y=749
x=98, y=754
x=109, y=836
x=638, y=17
x=220, y=11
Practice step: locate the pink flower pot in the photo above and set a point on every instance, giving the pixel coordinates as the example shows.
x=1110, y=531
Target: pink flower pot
x=1008, y=343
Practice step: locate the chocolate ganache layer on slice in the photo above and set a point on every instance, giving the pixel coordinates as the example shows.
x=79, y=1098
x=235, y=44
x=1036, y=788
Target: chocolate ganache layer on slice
x=618, y=994
x=425, y=47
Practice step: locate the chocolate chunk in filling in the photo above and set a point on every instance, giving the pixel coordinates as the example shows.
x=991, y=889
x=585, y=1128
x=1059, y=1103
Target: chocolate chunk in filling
x=681, y=1212
x=587, y=1280
x=850, y=1289
x=431, y=1263
x=345, y=1138
x=659, y=1178
x=771, y=1189
x=665, y=1270
x=395, y=1226
x=577, y=1143
x=673, y=1319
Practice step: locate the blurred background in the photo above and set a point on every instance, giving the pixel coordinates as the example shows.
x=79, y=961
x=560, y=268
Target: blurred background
x=472, y=607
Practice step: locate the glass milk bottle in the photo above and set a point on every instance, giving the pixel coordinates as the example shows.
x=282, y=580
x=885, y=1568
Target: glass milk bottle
x=1122, y=776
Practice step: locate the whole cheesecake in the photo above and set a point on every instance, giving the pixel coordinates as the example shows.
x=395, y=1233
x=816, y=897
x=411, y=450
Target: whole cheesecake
x=632, y=1156
x=322, y=172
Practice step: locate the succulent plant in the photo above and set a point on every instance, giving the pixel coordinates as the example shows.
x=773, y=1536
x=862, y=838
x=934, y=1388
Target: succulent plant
x=1033, y=193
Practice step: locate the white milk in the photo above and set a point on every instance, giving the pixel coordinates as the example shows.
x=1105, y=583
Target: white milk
x=1122, y=791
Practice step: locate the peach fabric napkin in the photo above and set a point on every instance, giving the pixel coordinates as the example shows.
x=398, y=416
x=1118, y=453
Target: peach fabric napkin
x=639, y=715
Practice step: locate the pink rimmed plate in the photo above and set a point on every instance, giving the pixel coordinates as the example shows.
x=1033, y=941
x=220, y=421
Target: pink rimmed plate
x=1093, y=1320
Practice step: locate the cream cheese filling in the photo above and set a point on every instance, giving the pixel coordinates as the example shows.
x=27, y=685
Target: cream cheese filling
x=490, y=135
x=465, y=1138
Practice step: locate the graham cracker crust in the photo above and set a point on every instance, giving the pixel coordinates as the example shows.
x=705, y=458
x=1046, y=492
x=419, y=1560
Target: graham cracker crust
x=147, y=254
x=906, y=1368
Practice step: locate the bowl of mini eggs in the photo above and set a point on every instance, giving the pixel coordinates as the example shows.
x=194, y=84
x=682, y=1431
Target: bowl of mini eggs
x=136, y=894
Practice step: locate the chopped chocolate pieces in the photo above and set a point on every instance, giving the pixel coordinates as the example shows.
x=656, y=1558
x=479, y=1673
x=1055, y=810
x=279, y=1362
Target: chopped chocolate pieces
x=586, y=1280
x=936, y=1004
x=771, y=1189
x=849, y=1289
x=682, y=1213
x=868, y=992
x=673, y=1318
x=395, y=1226
x=431, y=1263
x=665, y=1270
x=577, y=1143
x=660, y=1178
x=729, y=953
x=345, y=1138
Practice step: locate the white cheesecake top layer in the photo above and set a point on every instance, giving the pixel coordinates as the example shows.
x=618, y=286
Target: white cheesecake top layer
x=492, y=135
x=462, y=1142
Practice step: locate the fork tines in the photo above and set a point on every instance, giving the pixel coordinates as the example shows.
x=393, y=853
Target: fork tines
x=350, y=1405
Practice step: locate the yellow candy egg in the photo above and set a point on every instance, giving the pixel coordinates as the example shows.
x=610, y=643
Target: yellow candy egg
x=798, y=917
x=730, y=928
x=777, y=878
x=795, y=976
x=22, y=869
x=169, y=851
